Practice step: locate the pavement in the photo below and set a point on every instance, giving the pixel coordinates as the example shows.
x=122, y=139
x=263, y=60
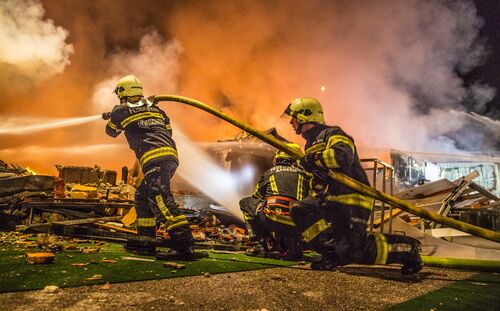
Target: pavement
x=291, y=288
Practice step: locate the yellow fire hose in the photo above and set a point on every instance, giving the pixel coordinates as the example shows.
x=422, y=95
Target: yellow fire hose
x=357, y=186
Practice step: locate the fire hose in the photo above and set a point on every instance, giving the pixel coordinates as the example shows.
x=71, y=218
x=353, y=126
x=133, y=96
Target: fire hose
x=346, y=180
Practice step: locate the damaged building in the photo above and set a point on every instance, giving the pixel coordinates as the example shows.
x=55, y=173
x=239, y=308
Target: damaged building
x=466, y=190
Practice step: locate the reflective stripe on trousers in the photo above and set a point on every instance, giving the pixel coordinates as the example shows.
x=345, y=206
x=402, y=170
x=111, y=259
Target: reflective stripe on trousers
x=315, y=229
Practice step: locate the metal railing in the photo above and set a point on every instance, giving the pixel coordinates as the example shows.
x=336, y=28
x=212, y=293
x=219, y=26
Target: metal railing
x=382, y=178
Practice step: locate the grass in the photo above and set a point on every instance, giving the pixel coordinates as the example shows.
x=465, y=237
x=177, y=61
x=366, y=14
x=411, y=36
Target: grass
x=17, y=275
x=480, y=292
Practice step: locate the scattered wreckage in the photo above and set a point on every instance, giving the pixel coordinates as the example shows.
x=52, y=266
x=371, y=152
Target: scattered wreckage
x=88, y=203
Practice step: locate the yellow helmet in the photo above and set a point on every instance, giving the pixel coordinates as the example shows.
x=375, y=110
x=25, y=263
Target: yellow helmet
x=128, y=86
x=306, y=110
x=281, y=155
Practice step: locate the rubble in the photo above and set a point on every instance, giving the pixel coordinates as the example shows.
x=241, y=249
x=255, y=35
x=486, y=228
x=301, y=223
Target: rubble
x=86, y=197
x=174, y=265
x=461, y=199
x=40, y=258
x=50, y=289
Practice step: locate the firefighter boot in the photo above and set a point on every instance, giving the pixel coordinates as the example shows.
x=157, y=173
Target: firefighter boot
x=327, y=263
x=412, y=263
x=294, y=247
x=256, y=251
x=179, y=251
x=329, y=258
x=139, y=247
x=176, y=254
x=404, y=250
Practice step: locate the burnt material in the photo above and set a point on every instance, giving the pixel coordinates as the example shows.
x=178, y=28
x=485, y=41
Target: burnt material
x=32, y=183
x=86, y=175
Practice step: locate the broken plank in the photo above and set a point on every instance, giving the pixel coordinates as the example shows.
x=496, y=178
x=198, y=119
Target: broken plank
x=394, y=213
x=483, y=191
x=427, y=190
x=69, y=222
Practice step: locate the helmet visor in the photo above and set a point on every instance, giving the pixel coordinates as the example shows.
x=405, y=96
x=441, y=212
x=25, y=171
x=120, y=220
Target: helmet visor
x=288, y=111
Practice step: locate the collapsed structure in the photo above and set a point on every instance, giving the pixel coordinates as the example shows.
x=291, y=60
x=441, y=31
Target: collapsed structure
x=86, y=201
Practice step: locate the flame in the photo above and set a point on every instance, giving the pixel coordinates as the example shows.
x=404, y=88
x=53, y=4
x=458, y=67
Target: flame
x=30, y=171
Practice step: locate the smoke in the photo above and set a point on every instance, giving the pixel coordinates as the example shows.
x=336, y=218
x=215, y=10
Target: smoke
x=388, y=72
x=33, y=48
x=156, y=64
x=389, y=69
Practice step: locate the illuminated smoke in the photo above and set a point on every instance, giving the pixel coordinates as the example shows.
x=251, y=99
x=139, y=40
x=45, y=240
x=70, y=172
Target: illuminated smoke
x=33, y=47
x=384, y=70
x=156, y=64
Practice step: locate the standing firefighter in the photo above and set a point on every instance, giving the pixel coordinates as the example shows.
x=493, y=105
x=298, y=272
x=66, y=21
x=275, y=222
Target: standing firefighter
x=334, y=222
x=149, y=134
x=268, y=210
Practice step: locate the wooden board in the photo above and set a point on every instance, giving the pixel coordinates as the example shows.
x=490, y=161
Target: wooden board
x=427, y=190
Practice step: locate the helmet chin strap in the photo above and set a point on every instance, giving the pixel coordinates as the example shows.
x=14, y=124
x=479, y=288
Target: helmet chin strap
x=298, y=129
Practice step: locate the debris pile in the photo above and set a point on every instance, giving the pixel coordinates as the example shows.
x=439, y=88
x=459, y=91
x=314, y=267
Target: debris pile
x=86, y=201
x=462, y=199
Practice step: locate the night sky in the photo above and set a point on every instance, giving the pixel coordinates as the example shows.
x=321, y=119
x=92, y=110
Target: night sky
x=489, y=72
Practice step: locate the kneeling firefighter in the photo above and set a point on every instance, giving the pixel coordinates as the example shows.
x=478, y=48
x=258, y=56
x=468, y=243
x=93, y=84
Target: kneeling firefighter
x=149, y=134
x=334, y=221
x=268, y=210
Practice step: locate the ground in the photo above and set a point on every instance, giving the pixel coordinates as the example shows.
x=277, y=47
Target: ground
x=290, y=288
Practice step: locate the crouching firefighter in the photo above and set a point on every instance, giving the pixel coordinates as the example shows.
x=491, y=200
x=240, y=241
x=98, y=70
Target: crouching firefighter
x=268, y=210
x=334, y=221
x=149, y=134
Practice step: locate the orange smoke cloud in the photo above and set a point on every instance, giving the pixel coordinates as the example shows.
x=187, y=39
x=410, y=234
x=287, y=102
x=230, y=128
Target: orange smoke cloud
x=371, y=64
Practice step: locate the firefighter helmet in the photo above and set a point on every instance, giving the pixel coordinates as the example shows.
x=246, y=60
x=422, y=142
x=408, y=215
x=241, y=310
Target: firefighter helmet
x=282, y=155
x=128, y=86
x=306, y=110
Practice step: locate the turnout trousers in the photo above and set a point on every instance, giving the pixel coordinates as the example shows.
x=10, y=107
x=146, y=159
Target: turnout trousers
x=279, y=228
x=155, y=204
x=338, y=232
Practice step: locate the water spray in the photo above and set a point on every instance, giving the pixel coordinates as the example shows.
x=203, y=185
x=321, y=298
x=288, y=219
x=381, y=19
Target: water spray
x=197, y=168
x=354, y=184
x=11, y=126
x=21, y=126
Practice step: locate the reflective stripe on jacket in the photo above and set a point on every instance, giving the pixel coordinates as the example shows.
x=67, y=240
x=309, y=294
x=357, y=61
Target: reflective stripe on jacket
x=147, y=129
x=335, y=150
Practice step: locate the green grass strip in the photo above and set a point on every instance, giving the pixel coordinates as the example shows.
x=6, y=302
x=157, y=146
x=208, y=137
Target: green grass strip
x=17, y=275
x=481, y=292
x=464, y=264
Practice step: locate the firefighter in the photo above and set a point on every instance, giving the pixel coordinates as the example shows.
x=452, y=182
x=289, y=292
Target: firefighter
x=149, y=134
x=334, y=220
x=268, y=210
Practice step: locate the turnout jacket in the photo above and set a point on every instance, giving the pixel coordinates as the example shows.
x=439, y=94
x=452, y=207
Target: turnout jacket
x=283, y=180
x=330, y=148
x=147, y=129
x=280, y=187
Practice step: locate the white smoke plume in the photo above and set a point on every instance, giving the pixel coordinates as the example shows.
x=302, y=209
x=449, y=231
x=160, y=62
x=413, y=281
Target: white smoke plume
x=156, y=64
x=32, y=47
x=386, y=71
